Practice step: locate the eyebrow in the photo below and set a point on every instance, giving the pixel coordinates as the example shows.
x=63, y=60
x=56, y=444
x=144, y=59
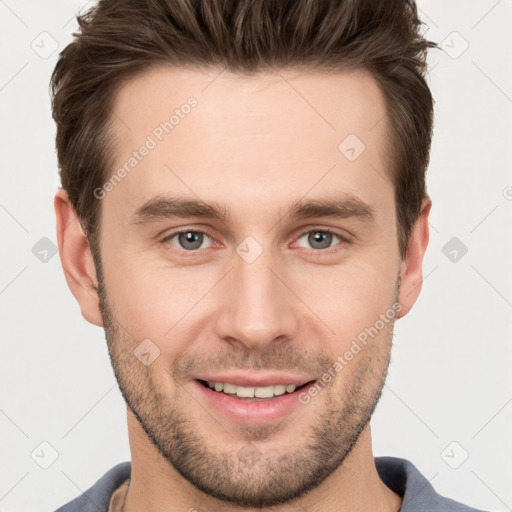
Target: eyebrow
x=341, y=206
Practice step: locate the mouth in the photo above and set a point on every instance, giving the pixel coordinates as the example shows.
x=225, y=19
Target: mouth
x=254, y=393
x=250, y=398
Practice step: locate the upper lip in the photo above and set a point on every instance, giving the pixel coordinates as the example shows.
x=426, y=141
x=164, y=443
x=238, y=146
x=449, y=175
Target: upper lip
x=256, y=381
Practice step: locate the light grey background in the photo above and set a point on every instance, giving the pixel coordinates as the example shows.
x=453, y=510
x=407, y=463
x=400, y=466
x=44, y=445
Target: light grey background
x=449, y=392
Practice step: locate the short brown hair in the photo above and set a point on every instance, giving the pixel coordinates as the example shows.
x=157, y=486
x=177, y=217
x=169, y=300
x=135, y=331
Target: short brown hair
x=120, y=39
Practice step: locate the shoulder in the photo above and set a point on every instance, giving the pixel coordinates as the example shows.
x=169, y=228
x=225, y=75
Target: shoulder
x=97, y=498
x=401, y=476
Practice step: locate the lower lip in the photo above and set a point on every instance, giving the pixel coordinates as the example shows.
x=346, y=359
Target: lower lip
x=254, y=412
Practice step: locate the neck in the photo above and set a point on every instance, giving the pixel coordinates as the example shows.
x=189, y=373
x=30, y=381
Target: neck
x=156, y=486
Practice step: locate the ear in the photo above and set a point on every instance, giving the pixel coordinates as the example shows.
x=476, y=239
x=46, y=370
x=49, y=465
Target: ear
x=411, y=268
x=76, y=258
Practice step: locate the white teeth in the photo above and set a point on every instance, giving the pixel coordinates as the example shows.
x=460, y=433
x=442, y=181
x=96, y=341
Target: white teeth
x=230, y=388
x=243, y=392
x=279, y=390
x=247, y=392
x=266, y=392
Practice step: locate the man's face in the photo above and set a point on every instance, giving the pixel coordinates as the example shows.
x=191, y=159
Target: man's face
x=264, y=293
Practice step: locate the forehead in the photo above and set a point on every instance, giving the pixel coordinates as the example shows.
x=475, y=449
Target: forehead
x=278, y=134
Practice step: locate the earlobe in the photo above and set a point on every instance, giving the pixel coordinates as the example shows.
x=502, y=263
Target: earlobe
x=76, y=258
x=411, y=269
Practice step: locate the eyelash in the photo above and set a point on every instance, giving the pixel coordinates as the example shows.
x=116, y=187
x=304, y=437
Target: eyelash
x=343, y=240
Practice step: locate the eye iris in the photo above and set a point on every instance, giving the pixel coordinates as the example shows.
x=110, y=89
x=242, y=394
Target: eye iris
x=322, y=238
x=191, y=240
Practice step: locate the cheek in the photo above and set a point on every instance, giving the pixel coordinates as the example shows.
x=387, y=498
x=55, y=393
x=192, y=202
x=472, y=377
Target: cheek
x=153, y=301
x=349, y=298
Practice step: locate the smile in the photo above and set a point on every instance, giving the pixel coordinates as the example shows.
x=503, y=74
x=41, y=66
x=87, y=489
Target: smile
x=262, y=392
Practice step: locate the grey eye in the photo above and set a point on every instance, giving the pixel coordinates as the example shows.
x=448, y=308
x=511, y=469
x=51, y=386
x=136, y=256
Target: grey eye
x=189, y=240
x=319, y=239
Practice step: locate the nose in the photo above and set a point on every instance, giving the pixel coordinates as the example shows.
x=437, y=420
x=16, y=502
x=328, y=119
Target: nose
x=257, y=306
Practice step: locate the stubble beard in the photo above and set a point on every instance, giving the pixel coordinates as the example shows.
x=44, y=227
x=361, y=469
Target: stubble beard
x=258, y=478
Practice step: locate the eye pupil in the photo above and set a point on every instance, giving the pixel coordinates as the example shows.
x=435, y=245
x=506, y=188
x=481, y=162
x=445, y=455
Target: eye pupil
x=191, y=240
